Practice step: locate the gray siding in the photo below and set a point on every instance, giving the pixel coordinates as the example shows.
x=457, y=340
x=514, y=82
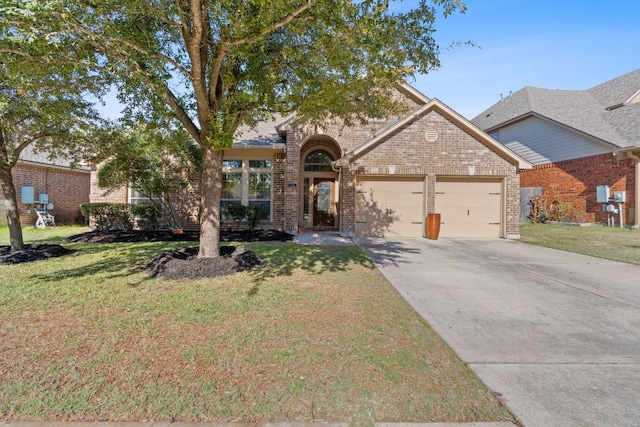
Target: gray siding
x=539, y=141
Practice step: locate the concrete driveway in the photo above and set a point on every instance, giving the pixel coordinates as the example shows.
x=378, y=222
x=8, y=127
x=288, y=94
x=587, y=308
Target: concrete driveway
x=556, y=335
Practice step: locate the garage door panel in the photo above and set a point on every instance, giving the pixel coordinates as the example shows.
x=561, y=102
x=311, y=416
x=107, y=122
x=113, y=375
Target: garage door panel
x=464, y=201
x=488, y=215
x=398, y=198
x=387, y=207
x=478, y=186
x=469, y=208
x=469, y=229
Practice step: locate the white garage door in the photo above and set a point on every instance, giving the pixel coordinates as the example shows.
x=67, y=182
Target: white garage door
x=389, y=207
x=469, y=208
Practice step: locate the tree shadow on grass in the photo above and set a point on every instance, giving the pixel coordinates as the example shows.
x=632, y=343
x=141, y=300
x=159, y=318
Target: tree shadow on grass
x=117, y=260
x=281, y=259
x=385, y=252
x=122, y=260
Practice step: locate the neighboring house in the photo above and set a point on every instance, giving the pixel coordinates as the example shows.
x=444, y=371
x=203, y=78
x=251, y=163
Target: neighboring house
x=378, y=179
x=65, y=187
x=576, y=140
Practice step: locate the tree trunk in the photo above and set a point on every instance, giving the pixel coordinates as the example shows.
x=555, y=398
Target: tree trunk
x=210, y=202
x=13, y=215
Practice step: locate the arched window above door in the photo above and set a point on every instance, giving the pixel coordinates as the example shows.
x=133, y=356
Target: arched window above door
x=318, y=161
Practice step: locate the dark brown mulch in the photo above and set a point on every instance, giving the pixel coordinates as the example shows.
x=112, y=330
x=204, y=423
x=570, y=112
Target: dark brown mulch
x=188, y=236
x=183, y=263
x=31, y=253
x=132, y=236
x=176, y=264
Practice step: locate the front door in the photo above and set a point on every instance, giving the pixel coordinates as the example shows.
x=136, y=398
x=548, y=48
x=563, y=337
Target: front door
x=324, y=205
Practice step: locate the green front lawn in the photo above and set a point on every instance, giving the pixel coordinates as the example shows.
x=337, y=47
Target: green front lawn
x=614, y=243
x=317, y=334
x=43, y=235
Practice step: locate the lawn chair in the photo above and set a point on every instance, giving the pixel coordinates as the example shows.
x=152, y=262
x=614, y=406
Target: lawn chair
x=44, y=218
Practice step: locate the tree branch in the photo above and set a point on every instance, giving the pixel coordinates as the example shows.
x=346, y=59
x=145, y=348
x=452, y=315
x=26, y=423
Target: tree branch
x=172, y=101
x=24, y=144
x=224, y=45
x=214, y=74
x=112, y=45
x=274, y=25
x=198, y=50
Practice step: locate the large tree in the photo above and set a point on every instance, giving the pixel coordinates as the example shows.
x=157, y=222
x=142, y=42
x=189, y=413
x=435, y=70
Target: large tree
x=43, y=98
x=40, y=112
x=215, y=64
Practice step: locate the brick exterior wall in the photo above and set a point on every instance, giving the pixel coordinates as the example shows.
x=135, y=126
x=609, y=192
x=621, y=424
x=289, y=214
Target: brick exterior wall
x=575, y=181
x=279, y=165
x=454, y=154
x=100, y=195
x=67, y=189
x=187, y=201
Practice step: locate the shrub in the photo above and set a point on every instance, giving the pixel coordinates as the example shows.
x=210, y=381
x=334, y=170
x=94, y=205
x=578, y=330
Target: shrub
x=561, y=211
x=538, y=212
x=254, y=215
x=107, y=216
x=236, y=211
x=557, y=210
x=148, y=214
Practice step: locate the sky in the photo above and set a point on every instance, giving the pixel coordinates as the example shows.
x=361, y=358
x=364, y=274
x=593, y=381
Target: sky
x=551, y=44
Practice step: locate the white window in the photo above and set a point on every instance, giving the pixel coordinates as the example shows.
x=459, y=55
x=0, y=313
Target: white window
x=247, y=182
x=139, y=197
x=231, y=184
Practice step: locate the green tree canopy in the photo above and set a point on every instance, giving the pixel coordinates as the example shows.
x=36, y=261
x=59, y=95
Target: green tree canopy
x=40, y=107
x=157, y=163
x=213, y=65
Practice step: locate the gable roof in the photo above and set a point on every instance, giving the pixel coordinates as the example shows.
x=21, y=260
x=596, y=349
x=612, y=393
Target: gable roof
x=609, y=112
x=263, y=134
x=440, y=107
x=30, y=156
x=271, y=132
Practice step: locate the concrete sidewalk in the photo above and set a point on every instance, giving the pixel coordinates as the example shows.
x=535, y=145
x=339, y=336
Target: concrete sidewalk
x=555, y=334
x=283, y=424
x=322, y=238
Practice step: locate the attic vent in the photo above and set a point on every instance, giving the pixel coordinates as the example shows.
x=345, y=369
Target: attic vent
x=634, y=99
x=614, y=107
x=431, y=135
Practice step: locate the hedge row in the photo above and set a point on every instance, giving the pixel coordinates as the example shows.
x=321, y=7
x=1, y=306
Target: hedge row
x=119, y=216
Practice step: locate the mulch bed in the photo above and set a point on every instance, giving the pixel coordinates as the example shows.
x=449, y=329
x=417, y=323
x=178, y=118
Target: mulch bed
x=31, y=253
x=166, y=236
x=174, y=264
x=183, y=263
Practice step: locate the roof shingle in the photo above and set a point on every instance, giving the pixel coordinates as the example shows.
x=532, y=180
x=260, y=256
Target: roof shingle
x=586, y=111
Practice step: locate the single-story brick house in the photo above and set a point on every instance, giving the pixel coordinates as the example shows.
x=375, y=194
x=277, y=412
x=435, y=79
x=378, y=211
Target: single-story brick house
x=378, y=179
x=576, y=140
x=66, y=188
